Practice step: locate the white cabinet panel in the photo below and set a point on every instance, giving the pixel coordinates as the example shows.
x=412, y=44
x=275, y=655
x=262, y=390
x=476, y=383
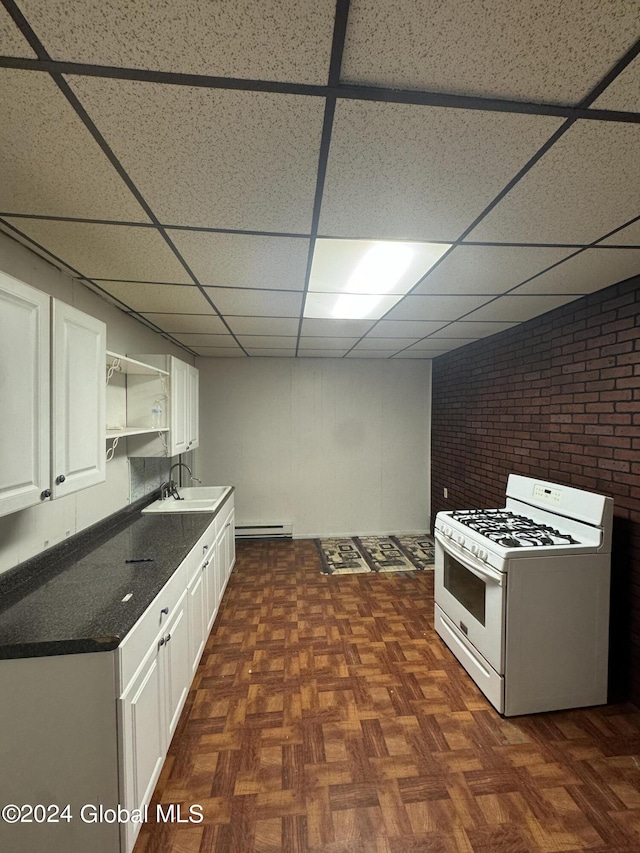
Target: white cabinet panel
x=24, y=394
x=79, y=347
x=193, y=425
x=176, y=669
x=197, y=615
x=142, y=738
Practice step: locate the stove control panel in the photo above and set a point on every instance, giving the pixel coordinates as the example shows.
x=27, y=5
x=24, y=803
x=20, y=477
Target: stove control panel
x=546, y=494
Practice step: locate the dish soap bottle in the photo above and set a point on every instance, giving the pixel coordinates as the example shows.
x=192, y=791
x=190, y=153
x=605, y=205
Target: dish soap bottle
x=156, y=414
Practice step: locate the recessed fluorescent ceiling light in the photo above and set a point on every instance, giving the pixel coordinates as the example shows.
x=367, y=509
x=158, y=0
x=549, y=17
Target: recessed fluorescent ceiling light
x=358, y=279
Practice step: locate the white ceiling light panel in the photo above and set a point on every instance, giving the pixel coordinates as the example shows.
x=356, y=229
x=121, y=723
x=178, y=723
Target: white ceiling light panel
x=363, y=279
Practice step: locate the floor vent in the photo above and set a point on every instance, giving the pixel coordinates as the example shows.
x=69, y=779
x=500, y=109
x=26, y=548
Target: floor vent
x=264, y=531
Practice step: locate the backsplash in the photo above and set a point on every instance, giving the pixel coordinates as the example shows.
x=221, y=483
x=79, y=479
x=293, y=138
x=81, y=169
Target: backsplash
x=147, y=474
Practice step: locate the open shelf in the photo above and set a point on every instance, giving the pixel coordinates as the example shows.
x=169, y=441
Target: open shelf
x=125, y=431
x=124, y=364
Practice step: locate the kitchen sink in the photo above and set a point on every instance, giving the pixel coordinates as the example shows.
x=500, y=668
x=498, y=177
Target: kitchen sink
x=195, y=499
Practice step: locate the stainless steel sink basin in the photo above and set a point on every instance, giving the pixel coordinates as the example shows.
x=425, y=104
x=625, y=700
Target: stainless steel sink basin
x=195, y=499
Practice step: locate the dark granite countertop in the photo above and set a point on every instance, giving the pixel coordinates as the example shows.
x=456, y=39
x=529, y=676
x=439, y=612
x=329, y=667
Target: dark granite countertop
x=68, y=600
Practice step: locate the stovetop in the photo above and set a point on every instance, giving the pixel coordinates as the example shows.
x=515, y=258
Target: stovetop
x=510, y=530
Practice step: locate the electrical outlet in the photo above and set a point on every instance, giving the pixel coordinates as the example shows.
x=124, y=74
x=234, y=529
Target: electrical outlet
x=446, y=492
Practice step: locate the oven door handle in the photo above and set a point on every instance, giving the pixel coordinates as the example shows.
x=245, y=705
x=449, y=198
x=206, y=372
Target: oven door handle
x=485, y=573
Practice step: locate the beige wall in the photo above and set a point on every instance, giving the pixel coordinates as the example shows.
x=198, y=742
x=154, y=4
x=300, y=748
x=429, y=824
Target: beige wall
x=335, y=446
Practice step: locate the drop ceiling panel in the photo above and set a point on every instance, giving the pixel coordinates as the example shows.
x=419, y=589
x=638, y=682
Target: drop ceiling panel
x=587, y=272
x=335, y=328
x=533, y=51
x=106, y=251
x=288, y=39
x=624, y=92
x=255, y=303
x=50, y=163
x=193, y=341
x=420, y=173
x=219, y=352
x=318, y=342
x=392, y=344
x=464, y=329
x=12, y=42
x=517, y=309
x=435, y=307
x=382, y=353
x=403, y=329
x=272, y=353
x=488, y=269
x=214, y=158
x=182, y=324
x=234, y=170
x=268, y=341
x=414, y=353
x=144, y=297
x=264, y=325
x=629, y=236
x=323, y=353
x=587, y=184
x=244, y=260
x=442, y=344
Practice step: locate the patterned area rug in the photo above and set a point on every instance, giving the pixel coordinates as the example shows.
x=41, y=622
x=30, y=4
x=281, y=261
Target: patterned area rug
x=376, y=554
x=419, y=549
x=341, y=557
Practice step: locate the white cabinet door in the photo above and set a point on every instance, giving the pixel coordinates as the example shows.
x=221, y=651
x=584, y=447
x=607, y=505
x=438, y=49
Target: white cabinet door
x=142, y=738
x=197, y=615
x=24, y=394
x=231, y=552
x=78, y=440
x=179, y=400
x=177, y=671
x=212, y=585
x=193, y=435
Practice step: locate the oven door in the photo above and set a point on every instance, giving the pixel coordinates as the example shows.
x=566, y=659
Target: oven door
x=473, y=595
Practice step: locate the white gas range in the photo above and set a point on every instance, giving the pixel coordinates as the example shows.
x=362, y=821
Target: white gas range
x=522, y=595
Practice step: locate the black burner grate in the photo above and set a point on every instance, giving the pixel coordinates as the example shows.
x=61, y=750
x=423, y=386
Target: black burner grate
x=510, y=530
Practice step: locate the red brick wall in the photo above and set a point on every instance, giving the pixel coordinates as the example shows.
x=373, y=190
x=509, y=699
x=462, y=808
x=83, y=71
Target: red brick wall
x=558, y=398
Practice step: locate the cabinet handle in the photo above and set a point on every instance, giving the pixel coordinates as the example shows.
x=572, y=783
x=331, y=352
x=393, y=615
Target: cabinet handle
x=165, y=610
x=60, y=478
x=45, y=494
x=168, y=637
x=205, y=564
x=161, y=641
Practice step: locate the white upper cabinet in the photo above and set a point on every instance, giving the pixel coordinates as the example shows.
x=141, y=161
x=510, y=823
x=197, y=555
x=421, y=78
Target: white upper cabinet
x=24, y=394
x=78, y=426
x=52, y=397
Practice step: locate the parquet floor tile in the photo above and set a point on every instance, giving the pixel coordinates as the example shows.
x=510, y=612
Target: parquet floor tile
x=328, y=717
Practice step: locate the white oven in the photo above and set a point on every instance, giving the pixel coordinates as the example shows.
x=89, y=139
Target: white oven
x=472, y=594
x=522, y=595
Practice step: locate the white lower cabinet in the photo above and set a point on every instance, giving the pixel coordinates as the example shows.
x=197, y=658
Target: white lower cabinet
x=93, y=730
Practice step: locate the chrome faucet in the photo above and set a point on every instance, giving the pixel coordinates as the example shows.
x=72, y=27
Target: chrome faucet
x=172, y=488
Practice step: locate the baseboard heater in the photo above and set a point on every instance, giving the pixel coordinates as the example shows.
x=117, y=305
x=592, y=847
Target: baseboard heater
x=264, y=531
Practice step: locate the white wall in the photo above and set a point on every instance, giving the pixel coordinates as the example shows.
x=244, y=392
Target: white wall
x=28, y=532
x=335, y=446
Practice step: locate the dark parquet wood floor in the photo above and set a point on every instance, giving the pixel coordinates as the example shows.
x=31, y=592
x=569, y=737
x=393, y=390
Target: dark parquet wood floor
x=328, y=717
